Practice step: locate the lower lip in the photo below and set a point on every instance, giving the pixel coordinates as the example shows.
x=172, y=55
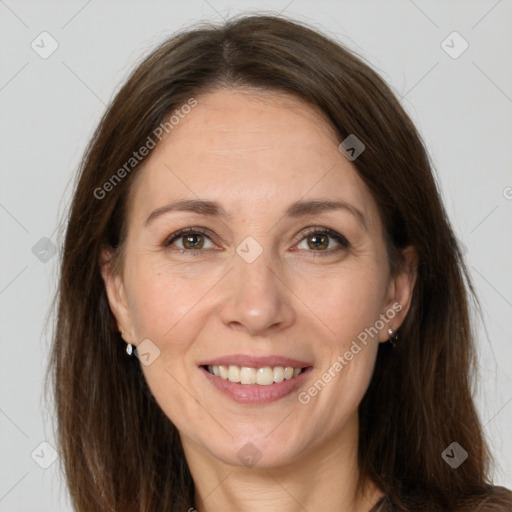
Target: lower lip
x=254, y=393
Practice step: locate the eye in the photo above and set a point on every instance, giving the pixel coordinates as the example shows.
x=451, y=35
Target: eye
x=319, y=240
x=191, y=239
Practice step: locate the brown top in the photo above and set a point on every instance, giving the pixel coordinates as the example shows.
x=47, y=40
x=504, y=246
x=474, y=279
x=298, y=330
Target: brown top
x=498, y=499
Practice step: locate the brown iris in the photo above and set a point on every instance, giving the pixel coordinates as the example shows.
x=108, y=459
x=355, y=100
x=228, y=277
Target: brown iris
x=319, y=241
x=193, y=241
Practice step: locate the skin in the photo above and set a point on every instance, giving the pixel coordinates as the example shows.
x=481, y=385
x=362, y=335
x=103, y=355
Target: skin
x=256, y=153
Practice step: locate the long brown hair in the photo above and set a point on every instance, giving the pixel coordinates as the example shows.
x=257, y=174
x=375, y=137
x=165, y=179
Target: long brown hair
x=120, y=452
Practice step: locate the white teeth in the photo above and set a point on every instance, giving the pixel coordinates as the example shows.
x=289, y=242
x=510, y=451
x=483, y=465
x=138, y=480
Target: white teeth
x=234, y=374
x=288, y=372
x=278, y=374
x=247, y=375
x=262, y=376
x=223, y=372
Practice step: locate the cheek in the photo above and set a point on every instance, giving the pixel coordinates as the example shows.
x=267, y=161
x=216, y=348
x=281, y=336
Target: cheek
x=350, y=308
x=169, y=305
x=161, y=301
x=165, y=309
x=345, y=300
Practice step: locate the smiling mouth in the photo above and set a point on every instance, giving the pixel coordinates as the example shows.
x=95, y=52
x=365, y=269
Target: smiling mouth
x=263, y=376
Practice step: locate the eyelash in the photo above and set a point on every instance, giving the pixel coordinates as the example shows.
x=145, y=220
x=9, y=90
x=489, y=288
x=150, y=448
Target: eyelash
x=343, y=242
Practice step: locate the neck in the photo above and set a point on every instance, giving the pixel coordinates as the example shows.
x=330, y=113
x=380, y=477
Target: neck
x=323, y=479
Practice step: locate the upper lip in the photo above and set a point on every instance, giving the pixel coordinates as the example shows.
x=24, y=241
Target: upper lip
x=254, y=362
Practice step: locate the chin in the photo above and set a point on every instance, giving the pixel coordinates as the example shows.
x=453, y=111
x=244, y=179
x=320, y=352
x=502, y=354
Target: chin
x=256, y=451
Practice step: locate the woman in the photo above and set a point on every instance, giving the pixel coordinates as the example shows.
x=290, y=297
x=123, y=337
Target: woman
x=262, y=304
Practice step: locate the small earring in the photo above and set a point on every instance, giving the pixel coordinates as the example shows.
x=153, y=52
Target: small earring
x=393, y=337
x=129, y=347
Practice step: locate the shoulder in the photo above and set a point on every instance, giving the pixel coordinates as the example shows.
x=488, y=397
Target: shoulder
x=495, y=499
x=491, y=499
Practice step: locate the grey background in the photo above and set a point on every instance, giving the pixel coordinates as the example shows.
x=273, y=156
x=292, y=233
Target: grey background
x=49, y=108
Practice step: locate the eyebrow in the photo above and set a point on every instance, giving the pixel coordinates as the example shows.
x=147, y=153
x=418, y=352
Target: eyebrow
x=297, y=209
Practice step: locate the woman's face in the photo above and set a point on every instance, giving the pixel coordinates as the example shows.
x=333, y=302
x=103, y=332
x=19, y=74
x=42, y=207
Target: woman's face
x=267, y=278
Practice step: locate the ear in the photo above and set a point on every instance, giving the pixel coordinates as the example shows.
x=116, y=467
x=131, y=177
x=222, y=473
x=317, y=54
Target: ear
x=399, y=294
x=116, y=295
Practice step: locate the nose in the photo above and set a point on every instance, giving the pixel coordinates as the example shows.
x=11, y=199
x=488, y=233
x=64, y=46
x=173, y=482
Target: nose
x=258, y=299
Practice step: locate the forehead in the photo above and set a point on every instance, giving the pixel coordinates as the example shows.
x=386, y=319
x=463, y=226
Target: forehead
x=253, y=151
